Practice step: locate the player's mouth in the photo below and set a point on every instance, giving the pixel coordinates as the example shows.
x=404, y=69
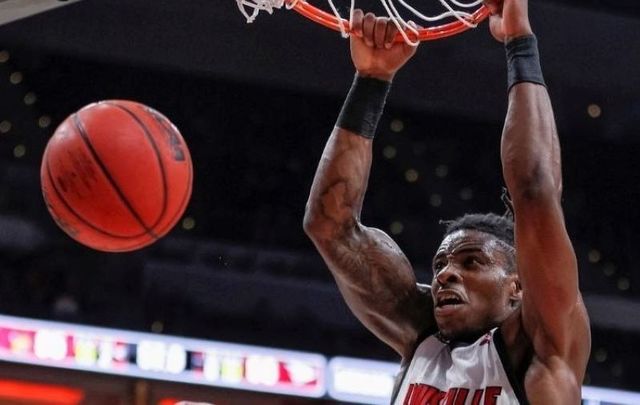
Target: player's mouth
x=448, y=301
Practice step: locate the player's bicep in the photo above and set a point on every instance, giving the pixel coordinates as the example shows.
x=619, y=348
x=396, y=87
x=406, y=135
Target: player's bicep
x=379, y=285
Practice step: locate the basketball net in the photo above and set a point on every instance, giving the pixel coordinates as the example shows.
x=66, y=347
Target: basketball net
x=452, y=9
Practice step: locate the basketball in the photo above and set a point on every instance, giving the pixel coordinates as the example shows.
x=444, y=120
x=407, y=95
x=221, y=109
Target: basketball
x=116, y=175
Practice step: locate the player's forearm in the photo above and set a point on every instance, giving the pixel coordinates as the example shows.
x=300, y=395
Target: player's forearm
x=341, y=179
x=339, y=185
x=530, y=148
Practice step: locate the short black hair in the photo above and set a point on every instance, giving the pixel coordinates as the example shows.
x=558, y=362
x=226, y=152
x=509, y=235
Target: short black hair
x=499, y=226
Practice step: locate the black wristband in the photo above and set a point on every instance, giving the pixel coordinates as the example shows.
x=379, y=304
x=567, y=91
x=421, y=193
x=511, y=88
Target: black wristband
x=363, y=106
x=523, y=61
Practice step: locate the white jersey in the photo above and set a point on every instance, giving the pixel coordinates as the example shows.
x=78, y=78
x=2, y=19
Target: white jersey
x=475, y=374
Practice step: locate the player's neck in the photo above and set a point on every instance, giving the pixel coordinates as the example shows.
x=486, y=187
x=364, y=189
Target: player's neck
x=462, y=340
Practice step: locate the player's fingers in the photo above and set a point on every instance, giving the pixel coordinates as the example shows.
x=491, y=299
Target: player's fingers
x=368, y=27
x=356, y=22
x=494, y=6
x=380, y=31
x=390, y=35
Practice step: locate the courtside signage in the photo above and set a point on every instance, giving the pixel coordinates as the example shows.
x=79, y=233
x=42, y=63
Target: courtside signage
x=202, y=362
x=160, y=357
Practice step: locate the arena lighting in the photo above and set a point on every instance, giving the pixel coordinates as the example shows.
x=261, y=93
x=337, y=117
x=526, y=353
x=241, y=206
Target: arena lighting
x=5, y=126
x=168, y=401
x=602, y=396
x=211, y=363
x=361, y=381
x=594, y=111
x=44, y=394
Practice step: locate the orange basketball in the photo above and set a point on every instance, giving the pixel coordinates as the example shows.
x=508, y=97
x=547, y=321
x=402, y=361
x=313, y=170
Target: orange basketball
x=116, y=175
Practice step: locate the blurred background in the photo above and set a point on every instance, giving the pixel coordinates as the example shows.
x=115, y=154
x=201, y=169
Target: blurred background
x=256, y=103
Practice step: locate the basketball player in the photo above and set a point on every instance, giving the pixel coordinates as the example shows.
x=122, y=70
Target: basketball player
x=503, y=321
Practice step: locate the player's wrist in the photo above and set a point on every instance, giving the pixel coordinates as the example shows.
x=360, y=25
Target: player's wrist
x=364, y=105
x=517, y=27
x=376, y=74
x=524, y=32
x=523, y=61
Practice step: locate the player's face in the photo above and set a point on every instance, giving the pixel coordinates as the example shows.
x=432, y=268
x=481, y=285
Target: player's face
x=472, y=290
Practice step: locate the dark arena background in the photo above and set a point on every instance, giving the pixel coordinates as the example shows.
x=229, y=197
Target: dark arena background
x=235, y=306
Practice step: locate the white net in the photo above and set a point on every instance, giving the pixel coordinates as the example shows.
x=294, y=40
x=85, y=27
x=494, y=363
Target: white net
x=403, y=21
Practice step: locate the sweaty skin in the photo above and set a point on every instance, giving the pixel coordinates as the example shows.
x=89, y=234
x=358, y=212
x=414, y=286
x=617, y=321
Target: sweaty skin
x=538, y=306
x=472, y=288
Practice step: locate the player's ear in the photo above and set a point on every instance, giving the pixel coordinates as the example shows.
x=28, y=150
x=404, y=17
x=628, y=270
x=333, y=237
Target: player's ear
x=515, y=289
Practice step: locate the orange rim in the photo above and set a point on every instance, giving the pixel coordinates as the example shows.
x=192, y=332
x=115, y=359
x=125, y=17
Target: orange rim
x=424, y=34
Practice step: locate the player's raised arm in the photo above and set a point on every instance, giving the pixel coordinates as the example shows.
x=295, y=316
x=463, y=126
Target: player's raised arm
x=372, y=273
x=553, y=313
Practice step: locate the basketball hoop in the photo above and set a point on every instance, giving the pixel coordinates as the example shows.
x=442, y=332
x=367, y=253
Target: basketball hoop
x=456, y=16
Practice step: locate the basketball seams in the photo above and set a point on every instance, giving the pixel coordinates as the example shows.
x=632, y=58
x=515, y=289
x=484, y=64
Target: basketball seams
x=172, y=222
x=85, y=138
x=73, y=212
x=180, y=211
x=149, y=220
x=152, y=141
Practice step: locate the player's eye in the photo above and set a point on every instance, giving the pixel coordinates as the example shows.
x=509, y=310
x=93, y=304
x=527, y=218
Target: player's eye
x=470, y=262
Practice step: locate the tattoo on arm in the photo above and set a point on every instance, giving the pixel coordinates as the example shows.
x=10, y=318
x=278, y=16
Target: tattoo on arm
x=373, y=275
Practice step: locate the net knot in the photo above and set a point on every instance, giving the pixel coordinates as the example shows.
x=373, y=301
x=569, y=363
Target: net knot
x=251, y=8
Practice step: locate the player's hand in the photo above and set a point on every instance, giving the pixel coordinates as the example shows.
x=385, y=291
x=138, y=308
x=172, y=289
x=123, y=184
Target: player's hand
x=373, y=50
x=509, y=19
